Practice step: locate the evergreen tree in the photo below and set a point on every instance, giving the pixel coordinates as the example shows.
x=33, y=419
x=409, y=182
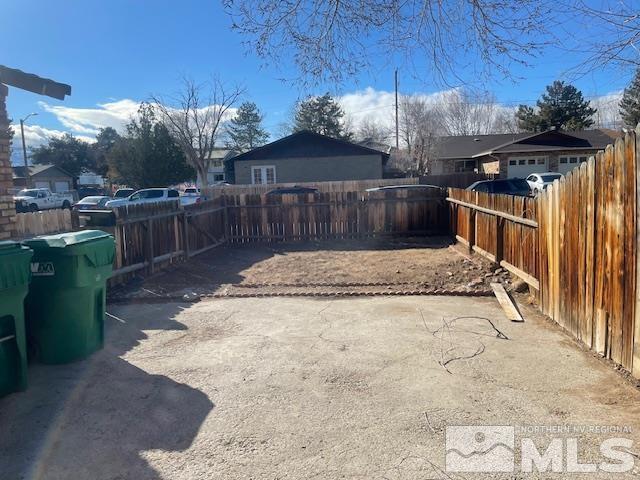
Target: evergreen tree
x=528, y=120
x=66, y=152
x=630, y=103
x=321, y=115
x=147, y=156
x=245, y=129
x=561, y=106
x=105, y=140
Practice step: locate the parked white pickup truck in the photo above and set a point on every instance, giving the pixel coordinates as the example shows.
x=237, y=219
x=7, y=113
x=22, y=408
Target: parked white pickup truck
x=34, y=199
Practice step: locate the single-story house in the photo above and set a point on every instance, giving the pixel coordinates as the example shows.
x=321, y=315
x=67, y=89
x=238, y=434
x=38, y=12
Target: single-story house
x=519, y=154
x=44, y=176
x=308, y=157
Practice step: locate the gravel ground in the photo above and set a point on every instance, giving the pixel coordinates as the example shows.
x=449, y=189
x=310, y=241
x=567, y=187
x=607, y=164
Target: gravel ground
x=426, y=265
x=298, y=388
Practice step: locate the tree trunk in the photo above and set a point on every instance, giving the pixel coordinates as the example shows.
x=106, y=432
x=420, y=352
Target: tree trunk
x=201, y=181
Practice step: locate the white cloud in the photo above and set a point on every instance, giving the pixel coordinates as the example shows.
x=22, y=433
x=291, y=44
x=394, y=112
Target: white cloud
x=88, y=121
x=34, y=136
x=608, y=114
x=378, y=106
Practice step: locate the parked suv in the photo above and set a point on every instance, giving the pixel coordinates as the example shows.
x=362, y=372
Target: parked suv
x=147, y=195
x=509, y=186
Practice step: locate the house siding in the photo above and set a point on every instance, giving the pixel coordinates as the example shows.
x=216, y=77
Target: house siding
x=315, y=169
x=498, y=163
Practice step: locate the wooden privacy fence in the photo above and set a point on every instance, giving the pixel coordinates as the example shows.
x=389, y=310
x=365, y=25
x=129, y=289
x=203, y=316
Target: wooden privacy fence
x=45, y=222
x=335, y=215
x=576, y=243
x=151, y=236
x=502, y=228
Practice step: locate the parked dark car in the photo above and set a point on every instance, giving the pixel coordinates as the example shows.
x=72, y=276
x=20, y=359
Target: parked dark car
x=90, y=192
x=292, y=191
x=508, y=186
x=91, y=203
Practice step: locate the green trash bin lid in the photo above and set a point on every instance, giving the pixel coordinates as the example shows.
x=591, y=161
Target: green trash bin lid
x=63, y=240
x=9, y=247
x=14, y=267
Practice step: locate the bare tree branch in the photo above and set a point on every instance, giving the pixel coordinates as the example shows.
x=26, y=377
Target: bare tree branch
x=332, y=40
x=194, y=116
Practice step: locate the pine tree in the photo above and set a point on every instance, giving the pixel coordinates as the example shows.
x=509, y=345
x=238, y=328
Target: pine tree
x=245, y=128
x=561, y=106
x=528, y=120
x=630, y=103
x=147, y=155
x=321, y=115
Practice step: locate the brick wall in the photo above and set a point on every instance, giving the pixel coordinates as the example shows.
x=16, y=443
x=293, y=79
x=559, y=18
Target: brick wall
x=7, y=208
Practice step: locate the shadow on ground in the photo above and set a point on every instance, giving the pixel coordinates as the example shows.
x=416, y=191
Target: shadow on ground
x=93, y=419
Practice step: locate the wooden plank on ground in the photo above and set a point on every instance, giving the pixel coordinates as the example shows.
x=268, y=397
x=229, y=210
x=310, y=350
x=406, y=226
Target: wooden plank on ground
x=505, y=302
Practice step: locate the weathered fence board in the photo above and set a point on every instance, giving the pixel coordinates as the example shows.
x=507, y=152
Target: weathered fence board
x=45, y=222
x=335, y=215
x=502, y=228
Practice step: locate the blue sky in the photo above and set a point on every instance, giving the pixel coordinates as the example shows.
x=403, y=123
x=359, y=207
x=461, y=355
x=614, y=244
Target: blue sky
x=115, y=53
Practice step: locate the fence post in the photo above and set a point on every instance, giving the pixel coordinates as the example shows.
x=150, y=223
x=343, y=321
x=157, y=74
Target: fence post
x=225, y=218
x=185, y=235
x=499, y=239
x=472, y=229
x=150, y=254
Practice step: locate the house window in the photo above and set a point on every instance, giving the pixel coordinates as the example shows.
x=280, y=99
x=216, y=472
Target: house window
x=563, y=159
x=263, y=175
x=465, y=166
x=216, y=163
x=218, y=177
x=513, y=162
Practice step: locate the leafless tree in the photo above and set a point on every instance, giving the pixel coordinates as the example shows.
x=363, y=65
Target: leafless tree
x=464, y=113
x=420, y=129
x=332, y=40
x=610, y=33
x=373, y=131
x=194, y=117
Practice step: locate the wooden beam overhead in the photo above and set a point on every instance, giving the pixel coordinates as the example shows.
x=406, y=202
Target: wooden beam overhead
x=33, y=83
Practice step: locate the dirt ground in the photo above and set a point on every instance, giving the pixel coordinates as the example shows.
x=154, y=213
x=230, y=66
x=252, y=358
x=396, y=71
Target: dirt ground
x=293, y=388
x=425, y=265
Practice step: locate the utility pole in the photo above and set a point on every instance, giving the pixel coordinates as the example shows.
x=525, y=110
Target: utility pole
x=27, y=180
x=397, y=129
x=24, y=151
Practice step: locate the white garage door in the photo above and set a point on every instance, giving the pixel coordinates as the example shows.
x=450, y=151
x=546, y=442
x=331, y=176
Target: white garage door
x=521, y=167
x=61, y=187
x=566, y=164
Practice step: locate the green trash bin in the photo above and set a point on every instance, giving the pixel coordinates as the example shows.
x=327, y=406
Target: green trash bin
x=66, y=302
x=14, y=284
